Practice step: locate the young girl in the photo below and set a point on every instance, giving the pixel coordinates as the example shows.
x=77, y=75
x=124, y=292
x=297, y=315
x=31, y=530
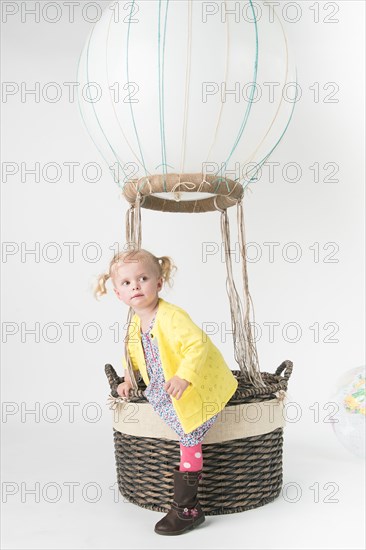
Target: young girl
x=188, y=382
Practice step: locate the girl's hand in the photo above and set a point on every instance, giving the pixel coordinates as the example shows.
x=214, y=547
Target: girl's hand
x=124, y=388
x=176, y=386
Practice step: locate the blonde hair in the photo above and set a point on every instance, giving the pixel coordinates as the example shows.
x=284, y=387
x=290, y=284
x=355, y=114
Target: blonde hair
x=163, y=266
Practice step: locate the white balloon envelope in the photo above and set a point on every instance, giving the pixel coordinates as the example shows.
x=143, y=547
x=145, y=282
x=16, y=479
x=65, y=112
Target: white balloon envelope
x=177, y=87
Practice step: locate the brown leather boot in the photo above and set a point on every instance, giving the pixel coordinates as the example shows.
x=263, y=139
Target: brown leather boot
x=186, y=512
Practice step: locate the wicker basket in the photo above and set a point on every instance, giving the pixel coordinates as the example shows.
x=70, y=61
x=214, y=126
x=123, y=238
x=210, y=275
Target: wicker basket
x=238, y=474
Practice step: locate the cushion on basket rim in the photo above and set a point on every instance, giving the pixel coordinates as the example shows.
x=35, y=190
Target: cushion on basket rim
x=233, y=422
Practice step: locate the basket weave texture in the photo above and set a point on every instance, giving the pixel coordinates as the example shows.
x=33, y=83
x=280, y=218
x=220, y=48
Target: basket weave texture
x=238, y=475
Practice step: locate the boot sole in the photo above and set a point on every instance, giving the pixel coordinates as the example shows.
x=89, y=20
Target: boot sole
x=188, y=528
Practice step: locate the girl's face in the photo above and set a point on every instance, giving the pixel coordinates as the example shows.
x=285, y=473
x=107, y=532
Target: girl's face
x=136, y=283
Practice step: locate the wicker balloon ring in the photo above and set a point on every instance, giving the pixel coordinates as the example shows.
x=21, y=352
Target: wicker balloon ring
x=225, y=192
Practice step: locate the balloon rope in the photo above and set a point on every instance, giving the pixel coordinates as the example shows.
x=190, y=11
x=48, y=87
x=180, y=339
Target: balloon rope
x=244, y=346
x=133, y=239
x=242, y=242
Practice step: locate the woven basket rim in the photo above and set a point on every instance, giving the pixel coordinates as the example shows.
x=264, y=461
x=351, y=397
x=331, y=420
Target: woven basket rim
x=245, y=391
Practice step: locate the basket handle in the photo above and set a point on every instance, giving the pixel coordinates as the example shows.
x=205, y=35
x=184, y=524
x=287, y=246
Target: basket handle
x=286, y=366
x=113, y=379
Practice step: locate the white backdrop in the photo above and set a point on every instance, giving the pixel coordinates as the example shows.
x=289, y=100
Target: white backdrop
x=316, y=304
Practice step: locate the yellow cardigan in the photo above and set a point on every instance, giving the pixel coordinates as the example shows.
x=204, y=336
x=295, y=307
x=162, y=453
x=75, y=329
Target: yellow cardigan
x=186, y=351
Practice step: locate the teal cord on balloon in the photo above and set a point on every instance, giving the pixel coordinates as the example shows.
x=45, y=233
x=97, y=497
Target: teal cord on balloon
x=260, y=164
x=128, y=79
x=249, y=106
x=161, y=58
x=95, y=114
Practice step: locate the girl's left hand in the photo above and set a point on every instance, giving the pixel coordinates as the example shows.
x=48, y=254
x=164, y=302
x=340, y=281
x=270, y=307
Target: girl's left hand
x=176, y=386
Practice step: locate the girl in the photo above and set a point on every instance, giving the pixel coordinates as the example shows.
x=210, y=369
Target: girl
x=188, y=382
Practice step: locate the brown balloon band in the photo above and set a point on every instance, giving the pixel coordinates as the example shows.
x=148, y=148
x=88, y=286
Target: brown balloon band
x=225, y=192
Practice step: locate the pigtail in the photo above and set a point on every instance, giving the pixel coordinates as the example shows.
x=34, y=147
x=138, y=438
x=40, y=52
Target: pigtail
x=100, y=288
x=167, y=266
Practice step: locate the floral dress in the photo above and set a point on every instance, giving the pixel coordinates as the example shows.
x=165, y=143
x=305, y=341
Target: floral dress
x=159, y=398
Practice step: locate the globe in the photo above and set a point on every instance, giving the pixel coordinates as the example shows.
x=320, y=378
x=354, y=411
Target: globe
x=349, y=421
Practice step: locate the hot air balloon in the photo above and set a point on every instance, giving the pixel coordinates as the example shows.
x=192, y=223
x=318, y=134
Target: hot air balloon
x=185, y=101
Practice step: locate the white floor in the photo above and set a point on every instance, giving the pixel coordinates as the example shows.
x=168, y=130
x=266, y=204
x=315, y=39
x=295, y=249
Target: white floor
x=322, y=507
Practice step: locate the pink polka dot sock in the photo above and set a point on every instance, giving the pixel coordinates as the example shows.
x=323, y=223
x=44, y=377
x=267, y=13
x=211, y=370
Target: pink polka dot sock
x=191, y=459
